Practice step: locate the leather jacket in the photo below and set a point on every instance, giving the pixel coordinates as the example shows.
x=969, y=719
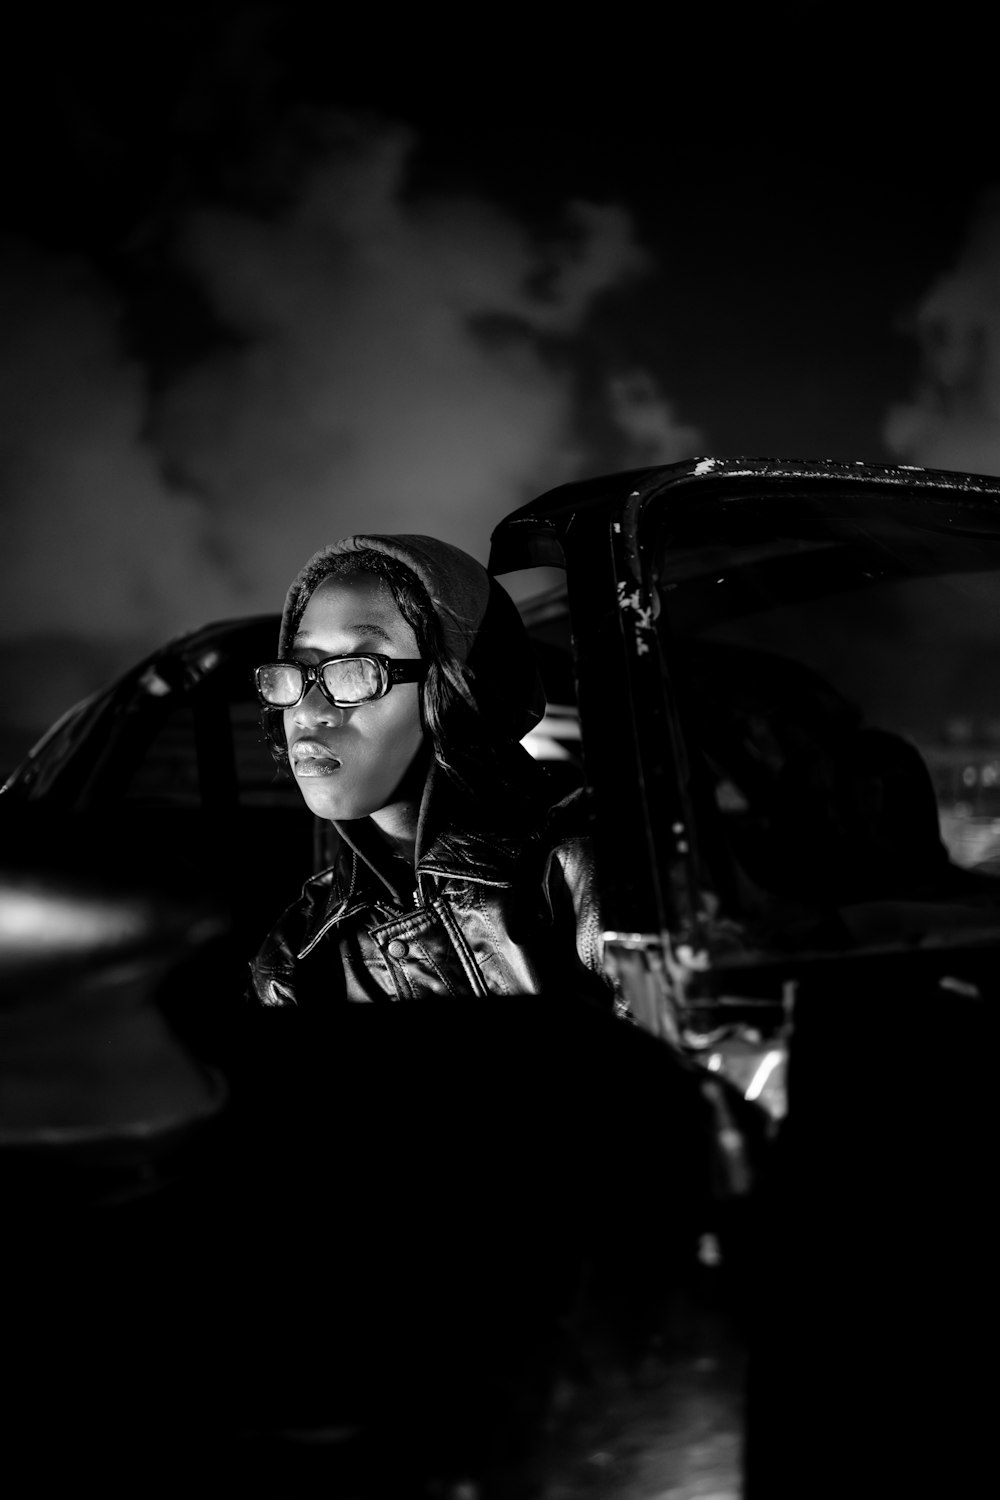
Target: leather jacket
x=485, y=913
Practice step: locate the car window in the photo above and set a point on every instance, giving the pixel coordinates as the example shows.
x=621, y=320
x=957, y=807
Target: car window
x=168, y=773
x=260, y=782
x=170, y=763
x=837, y=671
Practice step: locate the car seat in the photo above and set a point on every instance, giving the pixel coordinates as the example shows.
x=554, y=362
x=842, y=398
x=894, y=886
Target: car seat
x=811, y=803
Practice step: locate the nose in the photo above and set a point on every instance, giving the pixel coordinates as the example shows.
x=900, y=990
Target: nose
x=316, y=708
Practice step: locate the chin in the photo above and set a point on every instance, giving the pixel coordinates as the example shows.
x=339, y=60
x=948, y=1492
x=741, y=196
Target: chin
x=337, y=806
x=337, y=809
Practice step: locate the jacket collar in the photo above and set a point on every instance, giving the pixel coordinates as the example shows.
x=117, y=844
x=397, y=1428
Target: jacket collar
x=453, y=839
x=355, y=883
x=364, y=873
x=453, y=842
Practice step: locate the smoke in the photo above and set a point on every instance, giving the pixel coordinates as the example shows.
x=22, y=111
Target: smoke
x=649, y=420
x=96, y=543
x=393, y=362
x=953, y=419
x=408, y=365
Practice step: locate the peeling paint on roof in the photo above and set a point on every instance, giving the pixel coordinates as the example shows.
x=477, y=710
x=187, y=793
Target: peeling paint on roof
x=641, y=614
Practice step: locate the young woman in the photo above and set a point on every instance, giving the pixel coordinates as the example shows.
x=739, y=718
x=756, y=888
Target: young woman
x=403, y=684
x=427, y=1181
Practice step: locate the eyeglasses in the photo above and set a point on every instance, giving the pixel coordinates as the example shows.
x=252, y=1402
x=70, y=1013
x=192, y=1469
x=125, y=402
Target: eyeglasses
x=345, y=681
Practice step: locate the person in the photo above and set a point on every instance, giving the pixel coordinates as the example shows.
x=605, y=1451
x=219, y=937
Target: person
x=403, y=684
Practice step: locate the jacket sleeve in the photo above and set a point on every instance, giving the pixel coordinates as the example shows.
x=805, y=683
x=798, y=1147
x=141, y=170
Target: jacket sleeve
x=269, y=988
x=572, y=898
x=275, y=972
x=571, y=867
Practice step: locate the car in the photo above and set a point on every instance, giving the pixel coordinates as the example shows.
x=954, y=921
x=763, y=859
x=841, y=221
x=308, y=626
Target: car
x=786, y=678
x=774, y=682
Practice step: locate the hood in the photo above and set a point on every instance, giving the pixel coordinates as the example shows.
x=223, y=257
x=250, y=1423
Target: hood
x=457, y=585
x=481, y=624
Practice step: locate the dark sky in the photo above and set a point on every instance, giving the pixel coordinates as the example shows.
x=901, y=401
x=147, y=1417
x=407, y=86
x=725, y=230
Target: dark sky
x=796, y=213
x=795, y=209
x=270, y=273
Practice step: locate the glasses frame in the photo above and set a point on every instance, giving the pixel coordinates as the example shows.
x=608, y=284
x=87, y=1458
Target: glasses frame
x=390, y=671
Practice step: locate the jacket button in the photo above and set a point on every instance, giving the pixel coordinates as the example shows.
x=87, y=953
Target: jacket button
x=397, y=948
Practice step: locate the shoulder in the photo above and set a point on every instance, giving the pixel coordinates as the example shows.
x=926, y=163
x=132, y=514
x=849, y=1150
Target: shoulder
x=570, y=883
x=567, y=823
x=273, y=969
x=566, y=842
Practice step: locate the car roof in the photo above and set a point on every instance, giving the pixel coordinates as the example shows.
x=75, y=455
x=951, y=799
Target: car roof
x=528, y=536
x=591, y=491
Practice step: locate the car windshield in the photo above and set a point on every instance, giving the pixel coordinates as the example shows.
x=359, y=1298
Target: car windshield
x=835, y=659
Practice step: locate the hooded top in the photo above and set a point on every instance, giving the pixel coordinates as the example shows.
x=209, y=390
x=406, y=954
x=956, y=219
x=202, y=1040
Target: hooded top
x=501, y=898
x=457, y=586
x=481, y=624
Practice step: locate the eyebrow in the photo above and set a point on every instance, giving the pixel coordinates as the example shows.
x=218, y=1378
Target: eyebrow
x=364, y=630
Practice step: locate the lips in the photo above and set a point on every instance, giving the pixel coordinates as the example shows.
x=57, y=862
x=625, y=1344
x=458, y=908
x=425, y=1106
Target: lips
x=313, y=758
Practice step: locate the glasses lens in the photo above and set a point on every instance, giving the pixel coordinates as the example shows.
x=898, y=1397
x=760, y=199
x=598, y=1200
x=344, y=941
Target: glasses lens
x=355, y=679
x=280, y=684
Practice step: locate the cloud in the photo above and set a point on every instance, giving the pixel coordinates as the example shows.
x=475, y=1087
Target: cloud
x=408, y=363
x=953, y=418
x=96, y=541
x=648, y=420
x=394, y=362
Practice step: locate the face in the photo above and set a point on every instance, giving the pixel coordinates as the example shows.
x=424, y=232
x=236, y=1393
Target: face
x=348, y=762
